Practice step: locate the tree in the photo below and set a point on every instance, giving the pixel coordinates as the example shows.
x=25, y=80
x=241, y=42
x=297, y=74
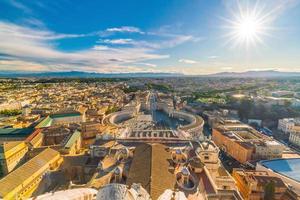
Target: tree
x=245, y=109
x=10, y=112
x=269, y=191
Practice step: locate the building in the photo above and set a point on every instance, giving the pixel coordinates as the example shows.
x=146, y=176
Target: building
x=153, y=119
x=72, y=145
x=116, y=191
x=294, y=137
x=35, y=139
x=10, y=106
x=89, y=130
x=67, y=118
x=295, y=103
x=291, y=126
x=11, y=155
x=148, y=164
x=15, y=134
x=286, y=169
x=252, y=184
x=282, y=93
x=244, y=143
x=55, y=135
x=61, y=119
x=241, y=151
x=215, y=116
x=22, y=182
x=191, y=169
x=287, y=124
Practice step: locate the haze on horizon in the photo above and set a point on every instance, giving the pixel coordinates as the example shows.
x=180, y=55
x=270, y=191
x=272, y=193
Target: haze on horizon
x=190, y=37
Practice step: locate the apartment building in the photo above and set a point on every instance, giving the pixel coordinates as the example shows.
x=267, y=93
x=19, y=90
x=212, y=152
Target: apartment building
x=294, y=137
x=286, y=125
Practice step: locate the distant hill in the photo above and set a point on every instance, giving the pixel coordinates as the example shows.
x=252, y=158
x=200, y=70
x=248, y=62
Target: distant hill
x=256, y=74
x=79, y=74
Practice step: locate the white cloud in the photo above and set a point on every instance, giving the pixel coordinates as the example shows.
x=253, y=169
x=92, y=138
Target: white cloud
x=20, y=6
x=34, y=49
x=146, y=64
x=21, y=32
x=169, y=42
x=100, y=48
x=187, y=61
x=21, y=65
x=33, y=22
x=129, y=29
x=117, y=41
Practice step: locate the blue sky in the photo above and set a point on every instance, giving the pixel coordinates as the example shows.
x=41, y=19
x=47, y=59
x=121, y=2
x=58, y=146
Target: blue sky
x=186, y=36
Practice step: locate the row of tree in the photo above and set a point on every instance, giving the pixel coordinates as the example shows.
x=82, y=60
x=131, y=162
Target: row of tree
x=9, y=113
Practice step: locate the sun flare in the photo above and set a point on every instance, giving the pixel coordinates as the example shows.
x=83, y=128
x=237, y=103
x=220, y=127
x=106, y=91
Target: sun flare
x=248, y=26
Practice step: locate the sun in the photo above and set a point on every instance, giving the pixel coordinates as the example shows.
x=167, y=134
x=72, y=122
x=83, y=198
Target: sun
x=248, y=29
x=248, y=26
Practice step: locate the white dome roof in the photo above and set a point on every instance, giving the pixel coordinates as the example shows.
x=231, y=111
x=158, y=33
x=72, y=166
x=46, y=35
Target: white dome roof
x=168, y=195
x=71, y=194
x=117, y=191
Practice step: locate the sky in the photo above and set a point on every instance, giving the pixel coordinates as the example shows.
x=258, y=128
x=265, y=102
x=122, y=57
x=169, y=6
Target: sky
x=177, y=36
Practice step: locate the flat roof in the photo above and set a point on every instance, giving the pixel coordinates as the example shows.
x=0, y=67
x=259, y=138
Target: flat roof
x=59, y=115
x=15, y=132
x=286, y=167
x=47, y=121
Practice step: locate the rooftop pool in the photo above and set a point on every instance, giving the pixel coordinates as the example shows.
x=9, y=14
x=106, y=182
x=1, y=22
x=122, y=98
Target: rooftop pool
x=287, y=167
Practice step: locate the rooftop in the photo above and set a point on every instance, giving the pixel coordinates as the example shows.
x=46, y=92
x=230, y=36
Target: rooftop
x=6, y=146
x=261, y=178
x=149, y=164
x=17, y=178
x=45, y=122
x=74, y=137
x=15, y=132
x=286, y=167
x=59, y=115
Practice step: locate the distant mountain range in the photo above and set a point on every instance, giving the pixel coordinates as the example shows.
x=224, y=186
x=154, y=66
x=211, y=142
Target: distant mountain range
x=79, y=74
x=256, y=74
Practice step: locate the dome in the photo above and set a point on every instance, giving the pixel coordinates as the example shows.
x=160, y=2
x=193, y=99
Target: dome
x=179, y=157
x=117, y=191
x=178, y=151
x=185, y=180
x=171, y=195
x=70, y=194
x=185, y=171
x=122, y=154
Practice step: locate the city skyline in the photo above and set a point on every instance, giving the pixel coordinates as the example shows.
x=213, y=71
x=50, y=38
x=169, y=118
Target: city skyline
x=189, y=37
